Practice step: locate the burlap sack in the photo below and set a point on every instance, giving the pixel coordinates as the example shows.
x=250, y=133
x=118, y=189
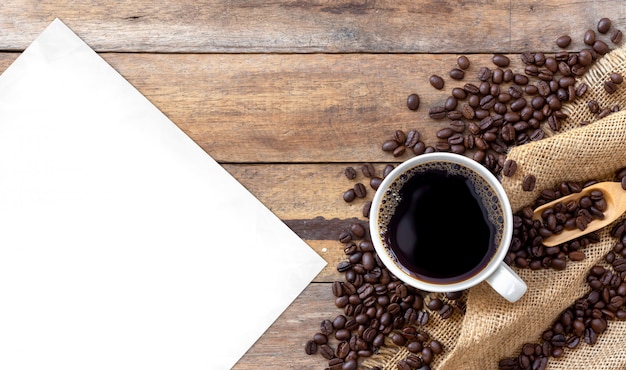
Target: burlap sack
x=492, y=328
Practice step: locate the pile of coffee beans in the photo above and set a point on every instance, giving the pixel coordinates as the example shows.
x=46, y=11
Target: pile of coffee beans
x=588, y=317
x=502, y=108
x=575, y=214
x=526, y=249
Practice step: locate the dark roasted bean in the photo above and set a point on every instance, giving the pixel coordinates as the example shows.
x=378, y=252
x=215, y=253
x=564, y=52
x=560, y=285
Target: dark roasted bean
x=528, y=184
x=310, y=347
x=463, y=62
x=436, y=82
x=604, y=25
x=457, y=74
x=563, y=41
x=359, y=190
x=501, y=60
x=413, y=101
x=590, y=37
x=616, y=37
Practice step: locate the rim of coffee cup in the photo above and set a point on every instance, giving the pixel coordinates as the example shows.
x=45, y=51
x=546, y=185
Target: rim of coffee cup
x=495, y=261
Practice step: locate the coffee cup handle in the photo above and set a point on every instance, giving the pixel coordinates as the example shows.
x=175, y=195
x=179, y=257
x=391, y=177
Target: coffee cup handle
x=507, y=283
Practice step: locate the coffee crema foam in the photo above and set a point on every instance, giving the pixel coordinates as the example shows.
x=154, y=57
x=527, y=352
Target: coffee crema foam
x=485, y=192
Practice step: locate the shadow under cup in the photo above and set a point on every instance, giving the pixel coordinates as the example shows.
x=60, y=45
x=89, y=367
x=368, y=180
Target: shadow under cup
x=441, y=222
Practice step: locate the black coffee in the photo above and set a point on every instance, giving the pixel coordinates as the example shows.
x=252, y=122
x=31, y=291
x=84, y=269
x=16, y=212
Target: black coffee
x=440, y=230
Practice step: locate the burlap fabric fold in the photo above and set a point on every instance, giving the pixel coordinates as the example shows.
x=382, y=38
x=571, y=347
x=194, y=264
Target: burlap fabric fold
x=492, y=328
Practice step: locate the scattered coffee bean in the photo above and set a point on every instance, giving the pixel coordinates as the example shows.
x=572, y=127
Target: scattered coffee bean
x=436, y=82
x=610, y=87
x=564, y=41
x=604, y=25
x=310, y=347
x=390, y=145
x=616, y=78
x=501, y=60
x=413, y=101
x=412, y=138
x=349, y=195
x=357, y=230
x=616, y=37
x=510, y=166
x=350, y=173
x=528, y=184
x=463, y=62
x=600, y=47
x=457, y=74
x=359, y=190
x=590, y=37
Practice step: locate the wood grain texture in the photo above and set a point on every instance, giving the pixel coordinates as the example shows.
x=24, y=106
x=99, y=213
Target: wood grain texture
x=209, y=26
x=286, y=94
x=295, y=107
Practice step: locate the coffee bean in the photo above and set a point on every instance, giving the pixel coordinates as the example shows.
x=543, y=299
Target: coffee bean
x=357, y=230
x=616, y=37
x=375, y=182
x=450, y=105
x=457, y=74
x=326, y=327
x=463, y=62
x=616, y=78
x=581, y=89
x=593, y=106
x=349, y=195
x=610, y=87
x=467, y=111
x=501, y=60
x=398, y=339
x=350, y=173
x=436, y=82
x=437, y=112
x=563, y=41
x=310, y=347
x=446, y=311
x=412, y=138
x=576, y=255
x=590, y=37
x=413, y=101
x=484, y=74
x=459, y=93
x=390, y=145
x=359, y=190
x=600, y=47
x=604, y=112
x=510, y=166
x=368, y=169
x=604, y=25
x=427, y=355
x=528, y=184
x=527, y=57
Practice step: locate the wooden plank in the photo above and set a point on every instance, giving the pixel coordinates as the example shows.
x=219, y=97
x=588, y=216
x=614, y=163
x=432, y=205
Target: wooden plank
x=259, y=26
x=303, y=191
x=404, y=26
x=282, y=345
x=295, y=107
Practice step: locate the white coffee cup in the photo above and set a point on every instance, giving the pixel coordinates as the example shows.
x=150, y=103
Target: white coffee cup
x=497, y=211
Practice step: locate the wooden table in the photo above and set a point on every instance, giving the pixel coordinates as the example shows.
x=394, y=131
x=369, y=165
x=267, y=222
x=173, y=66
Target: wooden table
x=287, y=94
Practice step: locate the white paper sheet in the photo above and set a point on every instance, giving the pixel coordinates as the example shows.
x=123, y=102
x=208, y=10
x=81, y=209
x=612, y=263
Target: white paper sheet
x=123, y=245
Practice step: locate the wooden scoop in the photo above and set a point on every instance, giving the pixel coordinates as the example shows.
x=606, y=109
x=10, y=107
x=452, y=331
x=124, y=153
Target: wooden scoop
x=615, y=197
